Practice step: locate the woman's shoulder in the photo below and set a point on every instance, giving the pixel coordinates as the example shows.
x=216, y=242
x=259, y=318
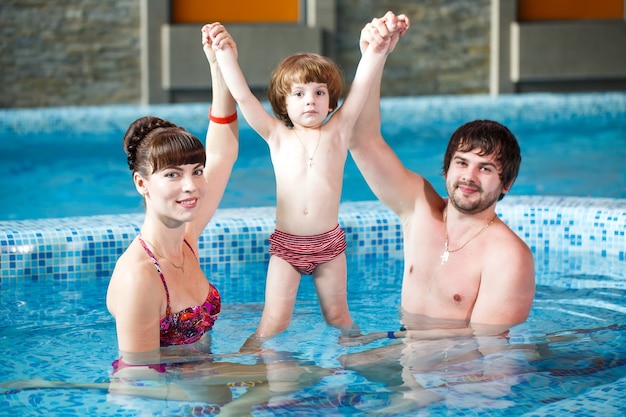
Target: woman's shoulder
x=134, y=267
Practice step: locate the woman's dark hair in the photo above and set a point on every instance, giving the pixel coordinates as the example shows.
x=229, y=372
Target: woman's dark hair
x=152, y=144
x=490, y=138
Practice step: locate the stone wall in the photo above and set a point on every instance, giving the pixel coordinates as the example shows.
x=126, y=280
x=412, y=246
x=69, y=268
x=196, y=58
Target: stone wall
x=69, y=52
x=87, y=52
x=446, y=50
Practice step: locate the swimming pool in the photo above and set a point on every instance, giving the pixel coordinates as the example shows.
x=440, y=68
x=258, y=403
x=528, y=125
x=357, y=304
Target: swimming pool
x=569, y=357
x=57, y=328
x=69, y=161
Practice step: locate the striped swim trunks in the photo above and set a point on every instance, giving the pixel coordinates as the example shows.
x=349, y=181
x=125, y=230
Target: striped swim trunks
x=305, y=253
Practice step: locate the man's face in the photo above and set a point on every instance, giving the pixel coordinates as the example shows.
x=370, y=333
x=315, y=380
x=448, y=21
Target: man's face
x=473, y=181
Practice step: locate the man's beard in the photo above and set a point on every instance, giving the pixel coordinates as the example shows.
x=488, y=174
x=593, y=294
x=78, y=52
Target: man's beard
x=465, y=206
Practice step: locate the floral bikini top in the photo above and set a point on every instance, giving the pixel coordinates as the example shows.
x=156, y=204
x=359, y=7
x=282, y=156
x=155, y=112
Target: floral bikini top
x=189, y=325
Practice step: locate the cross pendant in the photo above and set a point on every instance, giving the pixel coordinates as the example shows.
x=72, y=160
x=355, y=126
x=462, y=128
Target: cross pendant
x=311, y=163
x=444, y=257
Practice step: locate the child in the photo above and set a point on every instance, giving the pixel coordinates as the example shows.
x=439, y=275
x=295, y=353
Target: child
x=308, y=156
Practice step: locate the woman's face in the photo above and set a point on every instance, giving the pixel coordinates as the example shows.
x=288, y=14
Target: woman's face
x=175, y=193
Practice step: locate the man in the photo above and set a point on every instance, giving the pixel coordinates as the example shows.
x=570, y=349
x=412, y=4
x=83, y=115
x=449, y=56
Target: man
x=462, y=264
x=467, y=277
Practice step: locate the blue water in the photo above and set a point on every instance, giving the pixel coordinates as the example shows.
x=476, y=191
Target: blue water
x=70, y=162
x=572, y=344
x=568, y=358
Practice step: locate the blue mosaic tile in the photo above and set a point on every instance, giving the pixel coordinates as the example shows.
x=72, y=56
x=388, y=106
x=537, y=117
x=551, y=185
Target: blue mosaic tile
x=589, y=230
x=607, y=400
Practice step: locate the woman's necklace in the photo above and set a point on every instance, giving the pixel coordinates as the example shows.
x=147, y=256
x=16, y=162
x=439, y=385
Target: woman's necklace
x=446, y=251
x=180, y=268
x=310, y=157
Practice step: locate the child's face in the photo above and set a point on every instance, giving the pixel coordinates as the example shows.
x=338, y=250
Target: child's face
x=308, y=104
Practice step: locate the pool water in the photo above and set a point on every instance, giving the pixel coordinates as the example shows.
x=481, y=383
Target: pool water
x=69, y=162
x=566, y=349
x=568, y=358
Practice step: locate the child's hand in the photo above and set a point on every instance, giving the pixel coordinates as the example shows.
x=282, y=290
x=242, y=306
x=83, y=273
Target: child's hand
x=220, y=38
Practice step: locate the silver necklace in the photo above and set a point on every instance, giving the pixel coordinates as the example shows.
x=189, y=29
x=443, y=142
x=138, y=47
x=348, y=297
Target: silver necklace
x=310, y=157
x=446, y=250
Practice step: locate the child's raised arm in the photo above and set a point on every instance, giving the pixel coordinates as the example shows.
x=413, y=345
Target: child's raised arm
x=251, y=108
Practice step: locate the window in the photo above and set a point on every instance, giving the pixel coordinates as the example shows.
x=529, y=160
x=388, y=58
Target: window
x=529, y=10
x=236, y=11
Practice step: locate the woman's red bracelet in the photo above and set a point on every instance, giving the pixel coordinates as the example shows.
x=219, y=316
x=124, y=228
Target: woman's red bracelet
x=222, y=120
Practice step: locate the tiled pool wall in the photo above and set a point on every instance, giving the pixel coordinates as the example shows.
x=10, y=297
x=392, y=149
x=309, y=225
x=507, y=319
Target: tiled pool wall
x=587, y=234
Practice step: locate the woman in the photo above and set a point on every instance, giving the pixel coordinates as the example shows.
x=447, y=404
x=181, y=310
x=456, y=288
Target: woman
x=158, y=294
x=159, y=274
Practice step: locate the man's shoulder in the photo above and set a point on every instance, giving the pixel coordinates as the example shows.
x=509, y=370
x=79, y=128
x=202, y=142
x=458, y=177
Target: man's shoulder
x=506, y=251
x=505, y=242
x=510, y=238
